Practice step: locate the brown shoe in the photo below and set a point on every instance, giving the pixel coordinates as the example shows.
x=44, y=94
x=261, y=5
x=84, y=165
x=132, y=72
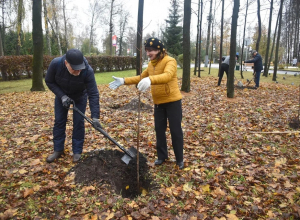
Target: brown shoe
x=54, y=156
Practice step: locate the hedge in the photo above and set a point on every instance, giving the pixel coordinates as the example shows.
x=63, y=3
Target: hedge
x=17, y=67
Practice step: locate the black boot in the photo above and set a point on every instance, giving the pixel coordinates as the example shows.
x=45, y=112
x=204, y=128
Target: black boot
x=54, y=156
x=76, y=157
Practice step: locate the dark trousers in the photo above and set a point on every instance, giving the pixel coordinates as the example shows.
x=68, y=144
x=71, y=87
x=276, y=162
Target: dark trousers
x=224, y=68
x=171, y=112
x=59, y=129
x=257, y=78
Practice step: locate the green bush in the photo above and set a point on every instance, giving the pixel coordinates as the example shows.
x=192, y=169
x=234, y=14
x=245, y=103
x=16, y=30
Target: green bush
x=180, y=60
x=17, y=67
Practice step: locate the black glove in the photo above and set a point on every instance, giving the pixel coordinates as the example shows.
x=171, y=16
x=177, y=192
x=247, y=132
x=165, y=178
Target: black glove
x=66, y=101
x=96, y=123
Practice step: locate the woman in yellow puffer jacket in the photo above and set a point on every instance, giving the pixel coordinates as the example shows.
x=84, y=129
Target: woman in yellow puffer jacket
x=161, y=74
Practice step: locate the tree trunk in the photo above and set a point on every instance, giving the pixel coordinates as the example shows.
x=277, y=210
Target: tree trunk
x=208, y=34
x=278, y=41
x=221, y=40
x=244, y=34
x=197, y=40
x=47, y=28
x=186, y=47
x=200, y=37
x=37, y=38
x=19, y=25
x=259, y=25
x=274, y=38
x=56, y=27
x=139, y=38
x=65, y=24
x=111, y=27
x=266, y=70
x=230, y=80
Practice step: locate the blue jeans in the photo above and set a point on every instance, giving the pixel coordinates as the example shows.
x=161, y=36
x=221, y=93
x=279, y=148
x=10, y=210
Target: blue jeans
x=59, y=129
x=257, y=78
x=171, y=112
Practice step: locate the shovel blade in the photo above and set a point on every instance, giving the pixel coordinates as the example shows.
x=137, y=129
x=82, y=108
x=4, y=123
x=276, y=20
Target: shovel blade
x=126, y=158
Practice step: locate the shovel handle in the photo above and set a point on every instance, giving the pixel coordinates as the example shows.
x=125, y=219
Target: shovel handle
x=101, y=131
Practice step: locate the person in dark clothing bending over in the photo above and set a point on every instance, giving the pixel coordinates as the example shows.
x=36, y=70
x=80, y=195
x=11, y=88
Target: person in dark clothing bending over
x=72, y=80
x=258, y=67
x=225, y=67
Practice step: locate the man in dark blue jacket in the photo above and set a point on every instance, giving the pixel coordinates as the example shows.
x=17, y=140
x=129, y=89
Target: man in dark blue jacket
x=71, y=79
x=258, y=66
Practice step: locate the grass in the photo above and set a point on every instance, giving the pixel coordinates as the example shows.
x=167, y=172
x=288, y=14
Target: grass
x=106, y=77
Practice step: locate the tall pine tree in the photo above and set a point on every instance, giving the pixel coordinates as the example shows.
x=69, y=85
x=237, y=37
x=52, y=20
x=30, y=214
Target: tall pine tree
x=173, y=33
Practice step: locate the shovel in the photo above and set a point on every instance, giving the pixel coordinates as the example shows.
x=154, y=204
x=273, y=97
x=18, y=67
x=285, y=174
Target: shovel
x=129, y=154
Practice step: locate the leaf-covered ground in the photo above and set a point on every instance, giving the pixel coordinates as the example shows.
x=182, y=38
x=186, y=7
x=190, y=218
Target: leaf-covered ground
x=233, y=170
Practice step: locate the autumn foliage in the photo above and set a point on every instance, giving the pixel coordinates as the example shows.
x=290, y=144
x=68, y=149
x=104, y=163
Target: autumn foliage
x=241, y=157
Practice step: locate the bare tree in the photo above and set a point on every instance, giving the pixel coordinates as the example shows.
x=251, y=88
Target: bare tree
x=94, y=11
x=278, y=41
x=186, y=47
x=200, y=37
x=20, y=18
x=266, y=70
x=221, y=39
x=47, y=27
x=37, y=38
x=197, y=39
x=139, y=37
x=259, y=25
x=65, y=23
x=124, y=16
x=57, y=33
x=244, y=34
x=208, y=34
x=230, y=80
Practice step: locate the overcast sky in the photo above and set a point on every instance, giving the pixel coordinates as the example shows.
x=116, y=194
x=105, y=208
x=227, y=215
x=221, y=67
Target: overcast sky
x=156, y=11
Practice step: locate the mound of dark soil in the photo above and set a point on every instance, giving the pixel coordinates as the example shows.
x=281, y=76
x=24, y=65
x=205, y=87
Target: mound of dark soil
x=294, y=123
x=134, y=105
x=106, y=165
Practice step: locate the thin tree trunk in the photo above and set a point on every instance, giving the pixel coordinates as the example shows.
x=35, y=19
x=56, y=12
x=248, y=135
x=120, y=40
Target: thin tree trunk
x=230, y=80
x=278, y=41
x=19, y=25
x=197, y=40
x=139, y=38
x=56, y=27
x=37, y=38
x=186, y=47
x=47, y=28
x=274, y=38
x=266, y=70
x=208, y=34
x=200, y=37
x=221, y=40
x=259, y=25
x=244, y=35
x=111, y=28
x=65, y=24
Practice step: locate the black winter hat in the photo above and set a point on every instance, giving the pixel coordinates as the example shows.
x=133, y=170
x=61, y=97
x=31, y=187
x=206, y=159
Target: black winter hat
x=154, y=43
x=75, y=58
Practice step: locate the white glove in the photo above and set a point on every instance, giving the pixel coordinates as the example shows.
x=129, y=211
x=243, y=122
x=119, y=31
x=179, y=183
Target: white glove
x=116, y=83
x=144, y=84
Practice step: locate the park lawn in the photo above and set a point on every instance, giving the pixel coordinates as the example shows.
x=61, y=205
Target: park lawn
x=106, y=77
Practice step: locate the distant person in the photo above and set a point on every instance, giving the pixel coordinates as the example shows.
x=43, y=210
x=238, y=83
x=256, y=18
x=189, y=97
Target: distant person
x=161, y=75
x=295, y=61
x=258, y=67
x=71, y=79
x=225, y=67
